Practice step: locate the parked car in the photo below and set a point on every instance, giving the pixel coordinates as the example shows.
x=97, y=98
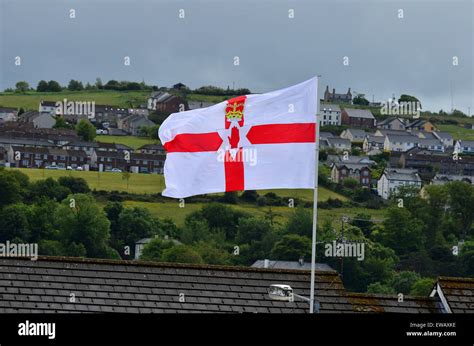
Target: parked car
x=52, y=167
x=69, y=168
x=114, y=170
x=79, y=168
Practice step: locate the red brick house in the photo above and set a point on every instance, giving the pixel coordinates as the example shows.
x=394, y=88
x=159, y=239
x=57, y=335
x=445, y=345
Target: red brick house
x=358, y=118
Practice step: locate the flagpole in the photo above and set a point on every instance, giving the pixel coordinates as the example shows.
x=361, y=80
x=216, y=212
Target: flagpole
x=315, y=208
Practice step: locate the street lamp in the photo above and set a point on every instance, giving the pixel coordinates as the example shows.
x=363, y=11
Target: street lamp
x=285, y=293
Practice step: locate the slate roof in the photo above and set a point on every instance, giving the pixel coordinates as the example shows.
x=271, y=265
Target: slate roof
x=338, y=140
x=359, y=113
x=330, y=106
x=401, y=174
x=363, y=302
x=390, y=120
x=45, y=285
x=458, y=292
x=444, y=178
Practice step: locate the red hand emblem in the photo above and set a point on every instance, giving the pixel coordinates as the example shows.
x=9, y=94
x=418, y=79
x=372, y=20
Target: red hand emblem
x=234, y=138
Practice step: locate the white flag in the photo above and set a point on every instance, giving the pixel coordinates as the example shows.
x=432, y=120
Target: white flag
x=264, y=141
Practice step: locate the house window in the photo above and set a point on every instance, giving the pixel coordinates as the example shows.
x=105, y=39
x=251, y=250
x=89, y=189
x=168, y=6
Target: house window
x=365, y=173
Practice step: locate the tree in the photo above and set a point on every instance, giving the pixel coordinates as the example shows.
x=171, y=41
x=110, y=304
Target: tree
x=360, y=100
x=422, y=287
x=48, y=188
x=42, y=86
x=181, y=254
x=10, y=189
x=54, y=86
x=402, y=232
x=300, y=222
x=380, y=288
x=153, y=250
x=408, y=98
x=82, y=222
x=22, y=87
x=251, y=229
x=403, y=281
x=85, y=130
x=222, y=217
x=75, y=185
x=14, y=224
x=61, y=123
x=134, y=224
x=75, y=85
x=291, y=248
x=461, y=200
x=211, y=253
x=249, y=196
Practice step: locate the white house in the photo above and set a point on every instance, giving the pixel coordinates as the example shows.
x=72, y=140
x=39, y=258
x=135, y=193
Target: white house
x=47, y=107
x=8, y=114
x=330, y=114
x=444, y=137
x=399, y=142
x=431, y=144
x=393, y=178
x=466, y=146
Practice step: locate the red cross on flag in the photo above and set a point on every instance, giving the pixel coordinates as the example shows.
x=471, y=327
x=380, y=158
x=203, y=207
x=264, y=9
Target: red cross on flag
x=261, y=141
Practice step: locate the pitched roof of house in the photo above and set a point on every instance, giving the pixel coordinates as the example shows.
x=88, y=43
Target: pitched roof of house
x=45, y=285
x=359, y=113
x=443, y=135
x=376, y=139
x=406, y=138
x=199, y=104
x=48, y=103
x=442, y=178
x=356, y=132
x=349, y=159
x=363, y=302
x=429, y=141
x=8, y=110
x=324, y=135
x=458, y=293
x=338, y=140
x=351, y=166
x=390, y=120
x=466, y=143
x=402, y=174
x=151, y=147
x=330, y=106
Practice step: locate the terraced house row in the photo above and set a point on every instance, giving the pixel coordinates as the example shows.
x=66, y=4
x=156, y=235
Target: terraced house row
x=62, y=149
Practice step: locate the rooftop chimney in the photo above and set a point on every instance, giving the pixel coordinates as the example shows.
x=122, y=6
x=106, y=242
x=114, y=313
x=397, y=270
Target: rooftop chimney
x=266, y=263
x=301, y=261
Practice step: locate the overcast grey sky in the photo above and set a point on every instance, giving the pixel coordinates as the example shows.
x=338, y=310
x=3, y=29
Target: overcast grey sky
x=387, y=55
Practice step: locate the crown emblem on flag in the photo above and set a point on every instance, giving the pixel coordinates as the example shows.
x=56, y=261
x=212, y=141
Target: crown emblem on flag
x=234, y=111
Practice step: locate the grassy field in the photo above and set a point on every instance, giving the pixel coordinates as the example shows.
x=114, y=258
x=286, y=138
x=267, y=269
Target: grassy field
x=131, y=141
x=31, y=100
x=173, y=211
x=138, y=183
x=152, y=183
x=457, y=132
